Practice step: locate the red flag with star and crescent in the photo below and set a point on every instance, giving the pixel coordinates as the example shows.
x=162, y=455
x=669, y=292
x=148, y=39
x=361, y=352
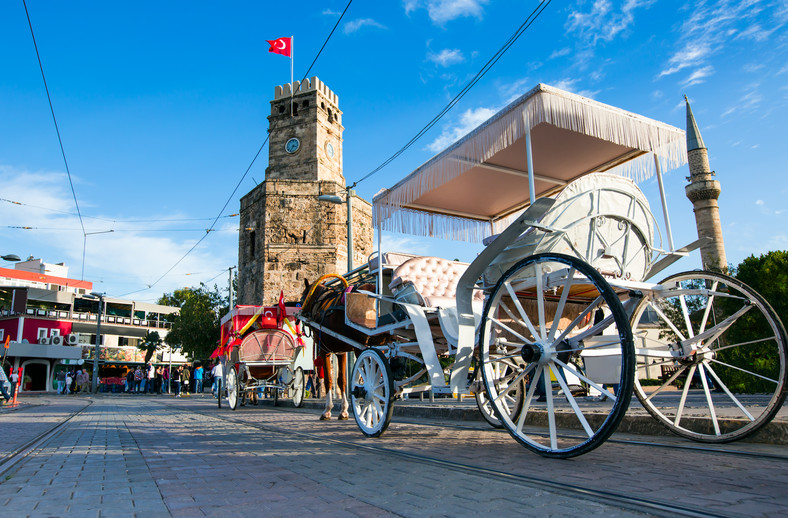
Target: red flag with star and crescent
x=281, y=46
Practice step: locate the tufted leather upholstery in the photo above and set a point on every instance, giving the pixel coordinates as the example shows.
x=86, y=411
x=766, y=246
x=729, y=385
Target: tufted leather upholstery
x=434, y=278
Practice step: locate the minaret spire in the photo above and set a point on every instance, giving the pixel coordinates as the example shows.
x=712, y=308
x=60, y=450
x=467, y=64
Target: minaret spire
x=703, y=191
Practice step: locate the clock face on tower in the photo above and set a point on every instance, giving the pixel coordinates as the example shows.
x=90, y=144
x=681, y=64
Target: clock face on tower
x=329, y=150
x=292, y=145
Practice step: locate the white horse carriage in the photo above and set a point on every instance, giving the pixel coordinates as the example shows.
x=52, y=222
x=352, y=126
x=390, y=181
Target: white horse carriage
x=556, y=315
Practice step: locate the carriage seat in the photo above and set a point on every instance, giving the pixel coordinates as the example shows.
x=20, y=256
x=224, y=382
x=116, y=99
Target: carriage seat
x=433, y=279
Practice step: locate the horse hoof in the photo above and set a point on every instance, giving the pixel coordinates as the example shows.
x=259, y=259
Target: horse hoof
x=324, y=418
x=343, y=418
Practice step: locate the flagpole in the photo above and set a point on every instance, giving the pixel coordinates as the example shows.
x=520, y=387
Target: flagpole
x=292, y=84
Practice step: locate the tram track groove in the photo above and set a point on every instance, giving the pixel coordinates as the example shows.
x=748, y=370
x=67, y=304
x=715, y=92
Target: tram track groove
x=18, y=454
x=625, y=501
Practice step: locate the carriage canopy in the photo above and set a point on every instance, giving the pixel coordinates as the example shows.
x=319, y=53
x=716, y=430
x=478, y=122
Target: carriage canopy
x=477, y=186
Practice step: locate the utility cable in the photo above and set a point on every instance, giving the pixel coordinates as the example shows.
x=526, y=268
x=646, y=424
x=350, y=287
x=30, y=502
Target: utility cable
x=486, y=68
x=57, y=130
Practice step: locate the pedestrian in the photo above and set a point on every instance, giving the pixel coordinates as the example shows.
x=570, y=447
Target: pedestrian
x=158, y=380
x=176, y=379
x=185, y=377
x=165, y=378
x=61, y=381
x=138, y=379
x=130, y=380
x=198, y=379
x=217, y=378
x=3, y=390
x=77, y=381
x=83, y=382
x=69, y=381
x=14, y=381
x=151, y=377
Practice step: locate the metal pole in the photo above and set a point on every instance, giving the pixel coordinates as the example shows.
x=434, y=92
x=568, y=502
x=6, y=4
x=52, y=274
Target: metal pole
x=169, y=372
x=97, y=349
x=231, y=287
x=350, y=194
x=530, y=161
x=664, y=203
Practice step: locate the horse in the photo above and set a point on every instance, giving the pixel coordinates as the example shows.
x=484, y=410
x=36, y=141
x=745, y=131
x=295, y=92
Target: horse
x=326, y=306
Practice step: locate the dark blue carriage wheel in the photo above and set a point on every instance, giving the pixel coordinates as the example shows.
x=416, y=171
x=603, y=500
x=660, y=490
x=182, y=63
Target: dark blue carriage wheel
x=372, y=392
x=554, y=323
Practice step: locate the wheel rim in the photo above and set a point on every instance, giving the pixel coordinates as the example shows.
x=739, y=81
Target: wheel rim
x=298, y=387
x=232, y=388
x=722, y=337
x=512, y=400
x=553, y=321
x=371, y=392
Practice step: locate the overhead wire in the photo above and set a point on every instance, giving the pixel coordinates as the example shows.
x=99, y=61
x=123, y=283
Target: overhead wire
x=243, y=177
x=470, y=84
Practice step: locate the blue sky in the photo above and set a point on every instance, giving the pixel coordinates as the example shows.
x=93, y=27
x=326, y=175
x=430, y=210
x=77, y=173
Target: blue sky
x=162, y=106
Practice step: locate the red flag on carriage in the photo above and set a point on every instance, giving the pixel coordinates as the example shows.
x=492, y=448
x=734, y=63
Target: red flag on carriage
x=281, y=306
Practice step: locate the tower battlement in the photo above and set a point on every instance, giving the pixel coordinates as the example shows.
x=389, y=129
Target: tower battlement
x=308, y=85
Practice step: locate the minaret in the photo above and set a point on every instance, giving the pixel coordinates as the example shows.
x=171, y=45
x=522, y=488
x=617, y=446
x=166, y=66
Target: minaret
x=703, y=191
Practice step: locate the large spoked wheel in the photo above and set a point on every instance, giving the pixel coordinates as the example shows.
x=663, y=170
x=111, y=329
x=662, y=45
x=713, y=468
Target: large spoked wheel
x=715, y=352
x=232, y=388
x=371, y=392
x=512, y=399
x=298, y=387
x=554, y=323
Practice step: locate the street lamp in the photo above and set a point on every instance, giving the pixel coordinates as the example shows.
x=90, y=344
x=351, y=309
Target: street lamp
x=100, y=296
x=10, y=257
x=333, y=198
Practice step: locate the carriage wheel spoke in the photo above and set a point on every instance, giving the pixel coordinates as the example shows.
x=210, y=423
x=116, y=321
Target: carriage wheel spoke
x=562, y=302
x=571, y=399
x=727, y=391
x=707, y=392
x=548, y=389
x=683, y=400
x=523, y=317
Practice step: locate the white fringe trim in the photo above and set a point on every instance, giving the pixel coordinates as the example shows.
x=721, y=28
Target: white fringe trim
x=542, y=104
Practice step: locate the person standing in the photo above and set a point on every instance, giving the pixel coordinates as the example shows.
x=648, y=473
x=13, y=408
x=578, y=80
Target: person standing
x=130, y=381
x=158, y=380
x=69, y=381
x=185, y=376
x=165, y=378
x=61, y=381
x=137, y=379
x=176, y=379
x=151, y=377
x=198, y=379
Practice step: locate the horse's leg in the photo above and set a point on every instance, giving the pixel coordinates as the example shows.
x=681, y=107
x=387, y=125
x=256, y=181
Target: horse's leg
x=342, y=385
x=328, y=376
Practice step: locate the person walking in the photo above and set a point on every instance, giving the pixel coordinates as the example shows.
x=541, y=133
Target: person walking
x=3, y=390
x=14, y=377
x=69, y=381
x=151, y=377
x=130, y=381
x=217, y=374
x=158, y=380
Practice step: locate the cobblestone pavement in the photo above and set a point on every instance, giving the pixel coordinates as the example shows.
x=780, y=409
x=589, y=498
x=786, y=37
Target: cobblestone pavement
x=157, y=456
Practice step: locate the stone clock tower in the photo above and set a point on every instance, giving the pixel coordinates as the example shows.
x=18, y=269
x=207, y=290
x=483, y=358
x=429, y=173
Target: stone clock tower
x=287, y=235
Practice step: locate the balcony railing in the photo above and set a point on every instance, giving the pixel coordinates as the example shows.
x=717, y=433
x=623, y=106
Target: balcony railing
x=89, y=317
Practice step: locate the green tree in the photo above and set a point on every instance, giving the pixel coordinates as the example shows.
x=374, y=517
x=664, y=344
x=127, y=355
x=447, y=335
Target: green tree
x=150, y=343
x=195, y=329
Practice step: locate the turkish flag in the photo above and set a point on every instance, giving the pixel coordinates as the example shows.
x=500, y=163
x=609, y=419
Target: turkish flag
x=281, y=46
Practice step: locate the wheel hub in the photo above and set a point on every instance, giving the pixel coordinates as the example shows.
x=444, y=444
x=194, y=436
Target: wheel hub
x=531, y=352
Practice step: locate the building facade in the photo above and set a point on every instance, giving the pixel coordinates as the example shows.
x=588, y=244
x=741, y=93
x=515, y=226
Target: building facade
x=288, y=235
x=50, y=324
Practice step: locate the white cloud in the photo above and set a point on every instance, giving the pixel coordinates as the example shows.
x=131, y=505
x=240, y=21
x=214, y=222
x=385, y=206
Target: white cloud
x=356, y=25
x=133, y=256
x=330, y=12
x=604, y=21
x=759, y=202
x=446, y=57
x=442, y=11
x=560, y=53
x=469, y=120
x=569, y=86
x=690, y=55
x=698, y=76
